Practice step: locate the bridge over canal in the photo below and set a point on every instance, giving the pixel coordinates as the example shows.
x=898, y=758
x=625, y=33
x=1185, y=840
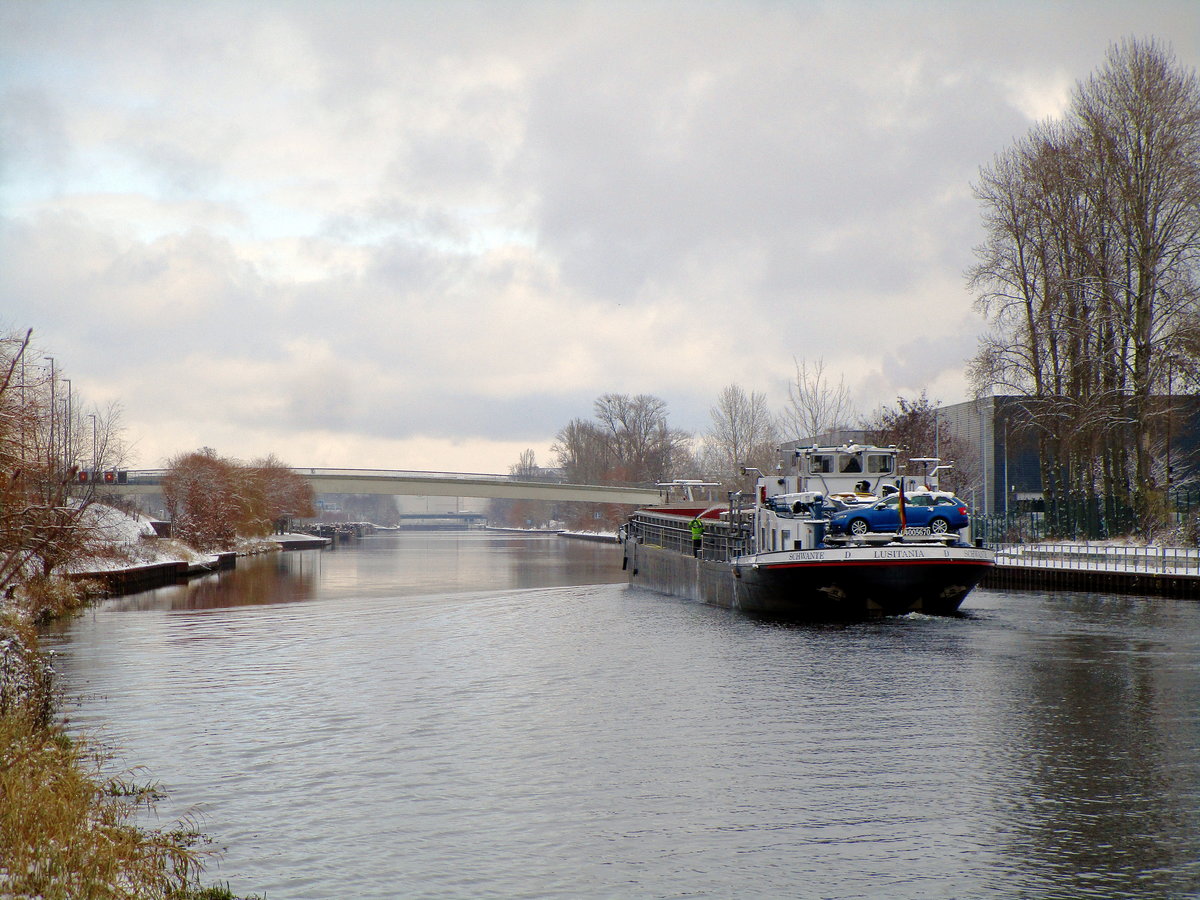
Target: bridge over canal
x=399, y=482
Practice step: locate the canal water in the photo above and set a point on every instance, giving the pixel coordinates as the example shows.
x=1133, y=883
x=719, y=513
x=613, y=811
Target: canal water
x=475, y=715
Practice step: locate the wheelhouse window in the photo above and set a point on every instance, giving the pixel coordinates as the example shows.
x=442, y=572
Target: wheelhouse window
x=878, y=463
x=819, y=464
x=849, y=463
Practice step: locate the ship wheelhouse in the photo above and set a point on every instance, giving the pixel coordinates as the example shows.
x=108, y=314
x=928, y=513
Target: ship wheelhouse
x=793, y=505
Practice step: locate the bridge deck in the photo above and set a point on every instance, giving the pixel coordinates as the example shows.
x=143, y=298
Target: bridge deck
x=428, y=484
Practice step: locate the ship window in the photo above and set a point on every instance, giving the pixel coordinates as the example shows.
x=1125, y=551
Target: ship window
x=850, y=464
x=820, y=464
x=877, y=463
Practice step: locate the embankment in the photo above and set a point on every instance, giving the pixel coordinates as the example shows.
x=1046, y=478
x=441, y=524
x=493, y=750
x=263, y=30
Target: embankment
x=1110, y=582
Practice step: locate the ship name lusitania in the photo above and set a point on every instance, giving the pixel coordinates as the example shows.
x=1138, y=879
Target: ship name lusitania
x=899, y=554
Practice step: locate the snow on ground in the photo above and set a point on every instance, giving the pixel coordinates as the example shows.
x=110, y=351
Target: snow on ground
x=609, y=536
x=128, y=540
x=115, y=526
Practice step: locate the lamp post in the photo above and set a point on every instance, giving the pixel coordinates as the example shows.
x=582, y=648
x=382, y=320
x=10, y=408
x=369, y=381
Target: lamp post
x=937, y=430
x=92, y=416
x=53, y=410
x=68, y=449
x=1006, y=488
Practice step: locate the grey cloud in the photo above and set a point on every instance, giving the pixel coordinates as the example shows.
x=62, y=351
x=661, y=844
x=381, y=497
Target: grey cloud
x=780, y=178
x=32, y=132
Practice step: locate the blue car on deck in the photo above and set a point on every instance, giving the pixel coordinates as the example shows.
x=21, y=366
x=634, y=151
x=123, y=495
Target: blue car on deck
x=929, y=511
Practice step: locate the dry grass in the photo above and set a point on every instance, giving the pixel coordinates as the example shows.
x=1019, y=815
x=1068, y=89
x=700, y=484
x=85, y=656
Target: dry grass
x=65, y=833
x=67, y=830
x=43, y=598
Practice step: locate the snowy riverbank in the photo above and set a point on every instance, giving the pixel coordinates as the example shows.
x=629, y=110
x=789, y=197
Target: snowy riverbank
x=129, y=555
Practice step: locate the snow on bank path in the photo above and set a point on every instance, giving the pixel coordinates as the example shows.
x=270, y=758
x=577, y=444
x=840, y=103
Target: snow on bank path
x=131, y=542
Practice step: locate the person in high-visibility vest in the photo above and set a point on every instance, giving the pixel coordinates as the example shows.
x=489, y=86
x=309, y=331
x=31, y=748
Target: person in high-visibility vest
x=697, y=535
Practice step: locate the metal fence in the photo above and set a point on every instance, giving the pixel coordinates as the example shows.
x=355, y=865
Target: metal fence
x=1093, y=557
x=1088, y=518
x=1092, y=521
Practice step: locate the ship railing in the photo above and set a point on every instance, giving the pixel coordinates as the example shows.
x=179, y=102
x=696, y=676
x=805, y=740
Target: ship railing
x=1101, y=557
x=720, y=541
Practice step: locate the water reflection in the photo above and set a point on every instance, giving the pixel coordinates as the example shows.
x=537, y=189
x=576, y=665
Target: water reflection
x=481, y=715
x=258, y=580
x=413, y=564
x=1097, y=777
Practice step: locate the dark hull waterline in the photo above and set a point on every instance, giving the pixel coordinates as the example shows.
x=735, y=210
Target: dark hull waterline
x=839, y=583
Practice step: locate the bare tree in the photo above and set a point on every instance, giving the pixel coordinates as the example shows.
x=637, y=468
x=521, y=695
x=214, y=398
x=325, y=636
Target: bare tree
x=523, y=513
x=1089, y=276
x=1141, y=114
x=630, y=440
x=815, y=404
x=583, y=452
x=526, y=466
x=286, y=495
x=743, y=433
x=913, y=426
x=213, y=500
x=644, y=447
x=203, y=498
x=42, y=498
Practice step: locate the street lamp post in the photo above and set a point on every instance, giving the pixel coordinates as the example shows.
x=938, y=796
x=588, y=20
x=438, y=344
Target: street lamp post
x=1006, y=486
x=53, y=410
x=937, y=430
x=92, y=416
x=68, y=449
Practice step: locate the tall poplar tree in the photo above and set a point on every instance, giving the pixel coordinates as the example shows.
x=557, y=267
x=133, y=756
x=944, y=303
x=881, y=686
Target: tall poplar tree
x=1089, y=278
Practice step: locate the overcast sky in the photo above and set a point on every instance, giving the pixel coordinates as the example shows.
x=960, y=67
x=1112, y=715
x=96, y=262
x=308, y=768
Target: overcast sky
x=426, y=235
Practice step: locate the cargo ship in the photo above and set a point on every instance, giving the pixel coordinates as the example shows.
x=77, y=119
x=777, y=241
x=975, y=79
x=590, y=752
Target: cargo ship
x=772, y=553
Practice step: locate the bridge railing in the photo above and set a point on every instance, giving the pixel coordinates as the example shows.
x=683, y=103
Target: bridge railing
x=395, y=473
x=149, y=475
x=450, y=476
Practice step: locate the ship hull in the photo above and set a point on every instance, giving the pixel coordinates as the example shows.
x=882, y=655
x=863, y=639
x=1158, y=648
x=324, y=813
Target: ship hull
x=835, y=583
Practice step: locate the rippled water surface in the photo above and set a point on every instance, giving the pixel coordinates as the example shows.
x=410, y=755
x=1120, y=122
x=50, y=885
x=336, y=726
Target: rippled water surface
x=471, y=715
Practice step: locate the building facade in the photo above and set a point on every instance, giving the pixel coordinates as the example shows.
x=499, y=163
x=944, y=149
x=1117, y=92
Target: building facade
x=1005, y=455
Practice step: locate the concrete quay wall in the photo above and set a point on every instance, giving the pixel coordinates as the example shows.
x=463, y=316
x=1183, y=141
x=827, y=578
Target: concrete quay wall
x=132, y=579
x=1153, y=584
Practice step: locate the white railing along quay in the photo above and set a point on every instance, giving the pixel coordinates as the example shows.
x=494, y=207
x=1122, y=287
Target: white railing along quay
x=1101, y=558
